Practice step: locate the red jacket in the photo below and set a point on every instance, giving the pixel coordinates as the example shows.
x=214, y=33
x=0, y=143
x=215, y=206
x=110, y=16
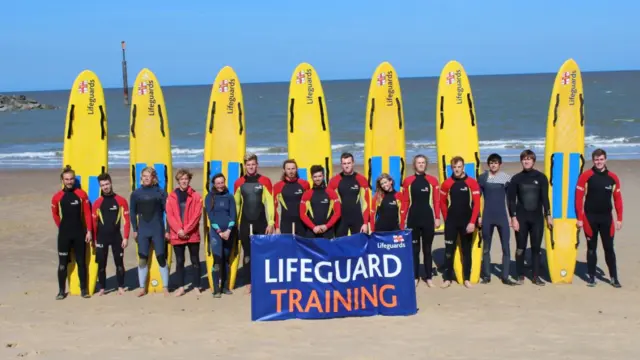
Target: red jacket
x=192, y=214
x=123, y=215
x=56, y=211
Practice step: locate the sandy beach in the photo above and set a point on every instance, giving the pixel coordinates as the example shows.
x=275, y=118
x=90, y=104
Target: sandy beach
x=485, y=322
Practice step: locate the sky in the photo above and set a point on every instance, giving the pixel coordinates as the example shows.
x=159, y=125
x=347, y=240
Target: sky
x=48, y=43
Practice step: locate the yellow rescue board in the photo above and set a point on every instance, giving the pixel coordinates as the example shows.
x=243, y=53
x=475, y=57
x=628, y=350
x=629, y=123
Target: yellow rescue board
x=85, y=149
x=224, y=149
x=563, y=164
x=384, y=140
x=308, y=135
x=457, y=135
x=150, y=145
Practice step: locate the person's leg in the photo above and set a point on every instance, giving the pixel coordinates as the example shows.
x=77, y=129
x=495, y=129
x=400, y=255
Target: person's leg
x=286, y=226
x=144, y=243
x=179, y=251
x=102, y=252
x=218, y=270
x=80, y=248
x=64, y=247
x=416, y=233
x=118, y=260
x=505, y=238
x=537, y=231
x=194, y=255
x=487, y=235
x=466, y=243
x=160, y=249
x=342, y=228
x=428, y=233
x=607, y=232
x=521, y=246
x=225, y=264
x=450, y=237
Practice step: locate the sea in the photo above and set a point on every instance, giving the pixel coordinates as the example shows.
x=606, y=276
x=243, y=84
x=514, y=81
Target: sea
x=511, y=113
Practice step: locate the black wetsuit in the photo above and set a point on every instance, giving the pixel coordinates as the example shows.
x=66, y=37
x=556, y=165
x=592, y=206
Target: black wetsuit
x=528, y=199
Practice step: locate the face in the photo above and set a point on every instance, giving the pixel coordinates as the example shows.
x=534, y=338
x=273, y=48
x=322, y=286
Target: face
x=290, y=170
x=218, y=184
x=318, y=178
x=184, y=181
x=458, y=169
x=386, y=184
x=68, y=180
x=527, y=163
x=600, y=162
x=421, y=165
x=494, y=166
x=251, y=166
x=347, y=165
x=146, y=178
x=105, y=186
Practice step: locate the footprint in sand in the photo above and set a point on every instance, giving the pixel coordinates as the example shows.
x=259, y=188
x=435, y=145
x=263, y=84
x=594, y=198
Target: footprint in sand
x=116, y=324
x=28, y=353
x=11, y=345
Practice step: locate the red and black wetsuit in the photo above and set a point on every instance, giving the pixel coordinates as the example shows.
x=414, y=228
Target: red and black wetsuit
x=320, y=206
x=110, y=211
x=460, y=204
x=594, y=192
x=72, y=214
x=287, y=195
x=354, y=194
x=422, y=192
x=389, y=213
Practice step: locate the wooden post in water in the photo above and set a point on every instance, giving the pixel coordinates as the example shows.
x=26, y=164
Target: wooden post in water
x=125, y=83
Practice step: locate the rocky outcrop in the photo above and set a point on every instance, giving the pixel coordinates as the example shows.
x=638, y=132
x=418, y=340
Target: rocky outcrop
x=21, y=102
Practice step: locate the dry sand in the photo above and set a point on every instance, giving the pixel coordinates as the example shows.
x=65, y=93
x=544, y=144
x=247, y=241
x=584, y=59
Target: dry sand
x=486, y=322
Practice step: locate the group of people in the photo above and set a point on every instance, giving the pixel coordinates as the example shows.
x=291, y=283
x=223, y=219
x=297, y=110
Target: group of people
x=338, y=207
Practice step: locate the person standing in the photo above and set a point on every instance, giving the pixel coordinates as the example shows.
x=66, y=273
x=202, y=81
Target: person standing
x=389, y=208
x=354, y=192
x=184, y=209
x=320, y=208
x=493, y=186
x=595, y=189
x=460, y=204
x=287, y=194
x=422, y=193
x=528, y=199
x=71, y=213
x=110, y=212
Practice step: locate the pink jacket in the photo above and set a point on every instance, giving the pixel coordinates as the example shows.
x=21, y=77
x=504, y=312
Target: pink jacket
x=192, y=214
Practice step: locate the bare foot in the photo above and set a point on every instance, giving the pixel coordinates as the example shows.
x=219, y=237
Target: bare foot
x=197, y=291
x=248, y=289
x=445, y=284
x=101, y=292
x=179, y=292
x=430, y=283
x=120, y=291
x=467, y=284
x=166, y=292
x=417, y=281
x=142, y=292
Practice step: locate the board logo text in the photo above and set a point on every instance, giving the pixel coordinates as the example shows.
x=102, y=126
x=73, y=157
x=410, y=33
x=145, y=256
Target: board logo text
x=92, y=97
x=310, y=88
x=459, y=89
x=232, y=96
x=390, y=90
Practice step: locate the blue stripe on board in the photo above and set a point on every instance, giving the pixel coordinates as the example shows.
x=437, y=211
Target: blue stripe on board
x=139, y=168
x=449, y=171
x=78, y=181
x=556, y=193
x=215, y=167
x=376, y=170
x=470, y=170
x=394, y=170
x=302, y=174
x=574, y=173
x=233, y=173
x=161, y=176
x=94, y=189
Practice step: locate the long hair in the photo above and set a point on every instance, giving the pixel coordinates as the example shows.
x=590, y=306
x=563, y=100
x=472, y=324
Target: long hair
x=212, y=191
x=379, y=191
x=152, y=172
x=284, y=165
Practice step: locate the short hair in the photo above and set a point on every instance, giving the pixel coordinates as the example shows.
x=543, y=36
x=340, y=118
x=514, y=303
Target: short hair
x=457, y=159
x=528, y=153
x=67, y=170
x=284, y=166
x=346, y=155
x=598, y=152
x=494, y=157
x=250, y=156
x=182, y=172
x=420, y=156
x=316, y=169
x=104, y=177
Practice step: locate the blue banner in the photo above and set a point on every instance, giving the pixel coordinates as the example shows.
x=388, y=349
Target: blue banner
x=357, y=275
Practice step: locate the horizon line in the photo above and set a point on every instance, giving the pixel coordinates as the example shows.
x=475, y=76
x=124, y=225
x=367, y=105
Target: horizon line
x=328, y=80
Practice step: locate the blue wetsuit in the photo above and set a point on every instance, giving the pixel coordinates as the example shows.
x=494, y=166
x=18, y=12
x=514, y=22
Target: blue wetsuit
x=494, y=215
x=221, y=210
x=147, y=208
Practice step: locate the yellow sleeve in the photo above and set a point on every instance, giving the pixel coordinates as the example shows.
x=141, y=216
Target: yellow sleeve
x=238, y=197
x=267, y=200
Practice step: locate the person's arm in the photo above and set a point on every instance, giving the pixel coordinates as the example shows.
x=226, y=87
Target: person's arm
x=617, y=196
x=475, y=199
x=133, y=210
x=55, y=208
x=365, y=199
x=337, y=209
x=86, y=211
x=304, y=203
x=267, y=199
x=95, y=215
x=125, y=216
x=232, y=213
x=580, y=192
x=193, y=223
x=403, y=199
x=544, y=187
x=277, y=208
x=237, y=194
x=444, y=196
x=435, y=196
x=512, y=195
x=173, y=215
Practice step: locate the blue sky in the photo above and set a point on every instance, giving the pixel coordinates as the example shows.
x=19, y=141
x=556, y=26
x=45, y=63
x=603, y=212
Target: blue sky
x=47, y=43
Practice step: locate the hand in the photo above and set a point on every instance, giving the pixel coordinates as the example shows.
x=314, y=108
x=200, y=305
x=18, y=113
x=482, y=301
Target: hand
x=125, y=242
x=579, y=224
x=323, y=228
x=471, y=228
x=135, y=236
x=549, y=222
x=316, y=229
x=181, y=233
x=515, y=224
x=87, y=238
x=269, y=230
x=510, y=223
x=167, y=236
x=437, y=223
x=479, y=222
x=278, y=231
x=364, y=228
x=618, y=225
x=225, y=234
